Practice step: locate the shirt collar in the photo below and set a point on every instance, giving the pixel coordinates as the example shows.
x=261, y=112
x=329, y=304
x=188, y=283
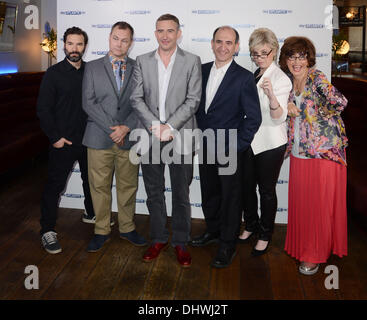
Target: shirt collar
x=173, y=57
x=222, y=69
x=114, y=59
x=69, y=67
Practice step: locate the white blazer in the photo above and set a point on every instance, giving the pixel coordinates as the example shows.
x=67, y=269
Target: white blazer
x=272, y=132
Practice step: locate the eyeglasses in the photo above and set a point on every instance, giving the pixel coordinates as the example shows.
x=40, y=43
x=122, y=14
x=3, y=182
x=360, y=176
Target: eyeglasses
x=262, y=56
x=301, y=57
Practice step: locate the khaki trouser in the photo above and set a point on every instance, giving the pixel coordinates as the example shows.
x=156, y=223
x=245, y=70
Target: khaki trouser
x=101, y=166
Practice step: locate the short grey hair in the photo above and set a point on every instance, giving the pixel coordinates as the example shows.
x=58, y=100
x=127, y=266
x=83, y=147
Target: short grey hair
x=264, y=36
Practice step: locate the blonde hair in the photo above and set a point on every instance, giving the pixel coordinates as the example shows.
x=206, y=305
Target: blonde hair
x=264, y=36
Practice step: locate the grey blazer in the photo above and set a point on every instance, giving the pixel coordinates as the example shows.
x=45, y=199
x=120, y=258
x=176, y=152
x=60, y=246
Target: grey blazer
x=183, y=94
x=104, y=105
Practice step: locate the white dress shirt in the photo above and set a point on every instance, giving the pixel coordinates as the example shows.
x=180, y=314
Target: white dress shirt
x=164, y=75
x=215, y=78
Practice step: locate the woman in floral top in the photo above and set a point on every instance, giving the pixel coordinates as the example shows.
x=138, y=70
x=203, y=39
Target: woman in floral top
x=317, y=214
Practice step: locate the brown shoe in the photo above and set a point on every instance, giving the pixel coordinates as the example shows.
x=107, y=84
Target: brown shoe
x=183, y=256
x=154, y=251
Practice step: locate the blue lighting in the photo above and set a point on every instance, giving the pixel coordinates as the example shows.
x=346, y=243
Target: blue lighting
x=8, y=70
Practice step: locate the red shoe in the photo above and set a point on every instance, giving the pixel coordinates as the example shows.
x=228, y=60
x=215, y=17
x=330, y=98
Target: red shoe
x=154, y=251
x=183, y=256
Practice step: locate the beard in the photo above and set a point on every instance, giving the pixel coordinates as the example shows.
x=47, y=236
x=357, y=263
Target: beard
x=77, y=55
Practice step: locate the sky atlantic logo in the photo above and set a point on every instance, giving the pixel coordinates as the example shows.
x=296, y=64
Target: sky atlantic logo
x=312, y=26
x=141, y=39
x=195, y=205
x=321, y=55
x=205, y=11
x=102, y=26
x=201, y=39
x=277, y=11
x=73, y=195
x=99, y=53
x=242, y=26
x=139, y=201
x=136, y=12
x=72, y=13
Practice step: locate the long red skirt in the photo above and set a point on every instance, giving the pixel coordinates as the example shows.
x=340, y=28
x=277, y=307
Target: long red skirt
x=317, y=210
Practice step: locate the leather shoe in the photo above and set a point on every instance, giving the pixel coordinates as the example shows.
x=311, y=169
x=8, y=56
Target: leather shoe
x=133, y=237
x=154, y=251
x=97, y=242
x=239, y=240
x=224, y=257
x=257, y=253
x=205, y=239
x=183, y=256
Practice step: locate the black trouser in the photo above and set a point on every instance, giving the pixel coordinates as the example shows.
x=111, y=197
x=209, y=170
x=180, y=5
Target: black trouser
x=154, y=181
x=221, y=200
x=262, y=170
x=60, y=164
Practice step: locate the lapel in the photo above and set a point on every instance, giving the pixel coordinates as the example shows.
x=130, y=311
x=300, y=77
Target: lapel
x=153, y=77
x=266, y=74
x=110, y=75
x=176, y=69
x=205, y=74
x=226, y=82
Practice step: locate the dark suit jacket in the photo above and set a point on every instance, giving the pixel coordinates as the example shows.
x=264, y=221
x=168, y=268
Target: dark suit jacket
x=235, y=105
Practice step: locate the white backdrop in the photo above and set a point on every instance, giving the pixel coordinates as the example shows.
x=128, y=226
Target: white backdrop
x=198, y=20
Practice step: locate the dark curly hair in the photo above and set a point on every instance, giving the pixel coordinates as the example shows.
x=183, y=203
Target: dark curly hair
x=294, y=45
x=76, y=30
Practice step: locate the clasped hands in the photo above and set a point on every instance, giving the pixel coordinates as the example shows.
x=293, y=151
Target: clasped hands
x=162, y=132
x=119, y=133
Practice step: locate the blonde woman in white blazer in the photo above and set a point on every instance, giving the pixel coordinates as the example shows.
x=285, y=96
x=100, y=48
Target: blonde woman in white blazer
x=264, y=158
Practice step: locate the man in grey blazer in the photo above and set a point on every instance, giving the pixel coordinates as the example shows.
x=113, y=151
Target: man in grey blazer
x=167, y=91
x=107, y=88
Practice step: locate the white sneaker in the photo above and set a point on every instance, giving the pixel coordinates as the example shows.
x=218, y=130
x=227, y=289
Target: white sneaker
x=89, y=219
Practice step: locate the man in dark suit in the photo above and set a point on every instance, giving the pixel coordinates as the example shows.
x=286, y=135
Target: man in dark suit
x=229, y=105
x=107, y=88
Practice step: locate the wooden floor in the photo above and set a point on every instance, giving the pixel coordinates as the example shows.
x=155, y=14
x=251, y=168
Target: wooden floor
x=117, y=271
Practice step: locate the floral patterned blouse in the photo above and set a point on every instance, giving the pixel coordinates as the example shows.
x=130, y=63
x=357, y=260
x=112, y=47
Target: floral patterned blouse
x=322, y=132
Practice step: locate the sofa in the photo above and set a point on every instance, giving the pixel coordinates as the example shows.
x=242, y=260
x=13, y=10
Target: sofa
x=21, y=138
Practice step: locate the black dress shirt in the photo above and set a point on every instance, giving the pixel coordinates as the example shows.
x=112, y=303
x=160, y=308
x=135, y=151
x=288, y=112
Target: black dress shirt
x=59, y=105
